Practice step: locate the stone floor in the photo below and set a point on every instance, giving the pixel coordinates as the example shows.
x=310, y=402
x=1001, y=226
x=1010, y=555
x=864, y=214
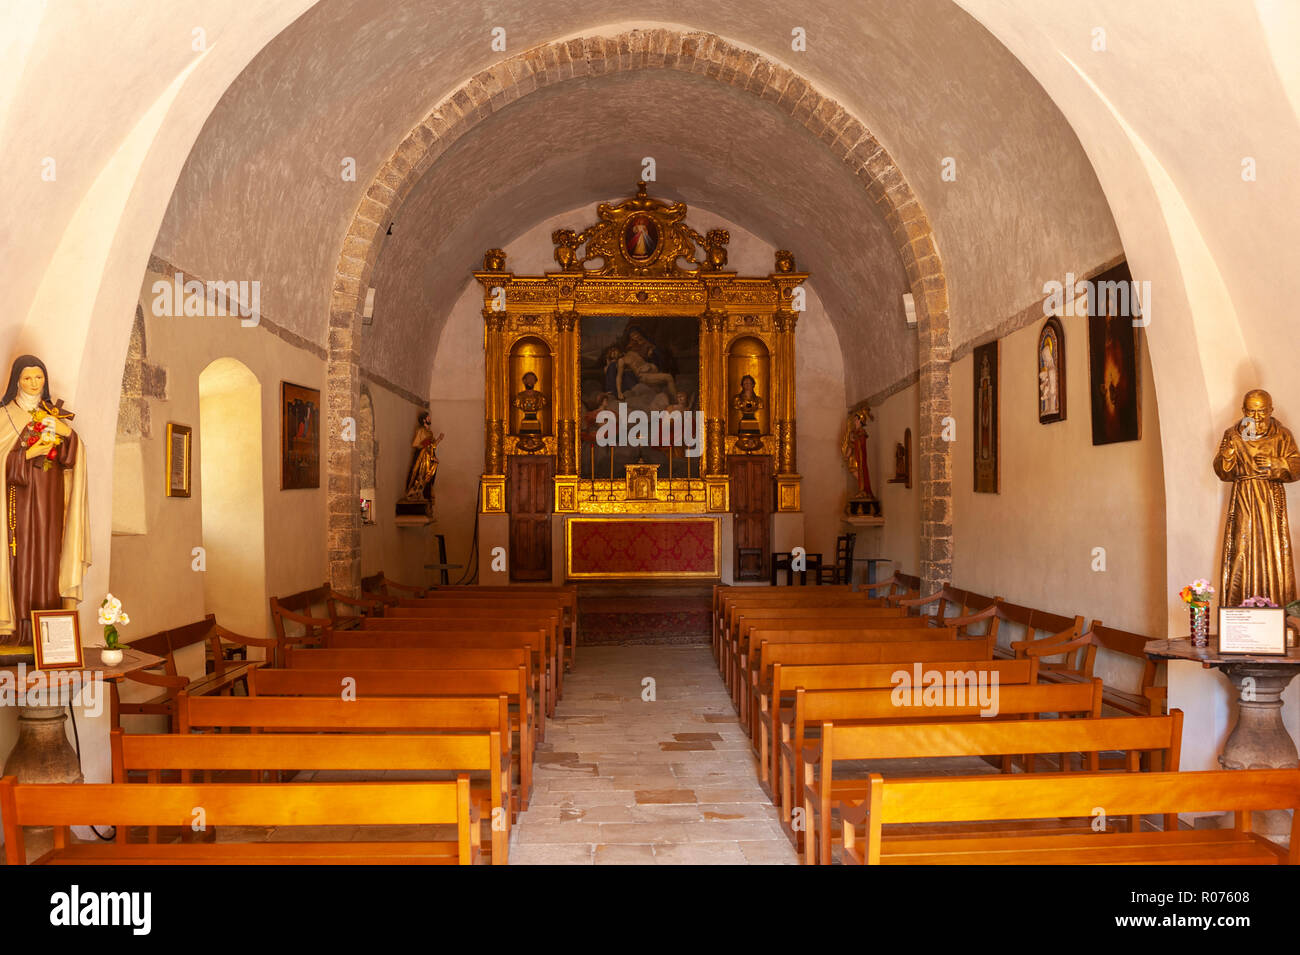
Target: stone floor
x=645, y=764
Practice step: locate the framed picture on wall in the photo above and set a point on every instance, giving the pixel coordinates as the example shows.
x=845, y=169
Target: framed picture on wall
x=178, y=459
x=299, y=437
x=1051, y=372
x=986, y=418
x=1113, y=360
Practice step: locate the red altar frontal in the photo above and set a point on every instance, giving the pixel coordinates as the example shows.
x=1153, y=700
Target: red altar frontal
x=611, y=548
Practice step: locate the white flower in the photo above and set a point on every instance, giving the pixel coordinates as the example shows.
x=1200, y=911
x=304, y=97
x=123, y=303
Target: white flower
x=115, y=604
x=124, y=619
x=106, y=616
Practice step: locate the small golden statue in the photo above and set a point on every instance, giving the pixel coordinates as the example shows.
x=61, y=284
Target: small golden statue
x=853, y=448
x=424, y=465
x=1257, y=455
x=531, y=403
x=749, y=404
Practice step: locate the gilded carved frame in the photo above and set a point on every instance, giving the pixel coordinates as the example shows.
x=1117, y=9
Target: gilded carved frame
x=682, y=274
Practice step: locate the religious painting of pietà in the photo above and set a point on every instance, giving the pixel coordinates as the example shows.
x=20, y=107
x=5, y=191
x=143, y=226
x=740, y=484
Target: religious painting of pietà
x=47, y=541
x=1051, y=372
x=300, y=437
x=1258, y=456
x=986, y=418
x=644, y=364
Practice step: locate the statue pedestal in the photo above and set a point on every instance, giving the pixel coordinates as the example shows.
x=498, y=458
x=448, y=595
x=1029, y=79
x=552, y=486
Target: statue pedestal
x=42, y=755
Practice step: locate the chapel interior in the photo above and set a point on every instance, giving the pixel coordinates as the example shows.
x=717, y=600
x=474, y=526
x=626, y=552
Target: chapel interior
x=618, y=401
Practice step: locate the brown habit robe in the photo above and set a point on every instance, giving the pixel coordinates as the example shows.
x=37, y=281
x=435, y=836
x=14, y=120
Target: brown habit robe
x=1257, y=537
x=36, y=506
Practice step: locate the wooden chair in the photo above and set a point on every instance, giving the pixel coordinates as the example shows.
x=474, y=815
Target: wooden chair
x=841, y=572
x=63, y=805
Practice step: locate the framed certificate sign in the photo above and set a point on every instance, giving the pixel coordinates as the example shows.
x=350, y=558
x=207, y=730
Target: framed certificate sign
x=1255, y=630
x=56, y=635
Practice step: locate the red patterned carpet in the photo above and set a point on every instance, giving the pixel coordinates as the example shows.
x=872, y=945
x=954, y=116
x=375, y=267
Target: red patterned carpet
x=626, y=615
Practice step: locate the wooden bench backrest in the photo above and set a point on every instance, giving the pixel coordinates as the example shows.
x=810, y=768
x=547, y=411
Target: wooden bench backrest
x=470, y=711
x=457, y=621
x=838, y=706
x=377, y=658
x=1073, y=795
x=465, y=752
x=828, y=619
x=232, y=804
x=865, y=676
x=924, y=651
x=496, y=651
x=1133, y=734
x=325, y=712
x=859, y=635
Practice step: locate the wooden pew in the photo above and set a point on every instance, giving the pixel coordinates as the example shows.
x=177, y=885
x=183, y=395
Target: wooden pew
x=460, y=753
x=745, y=624
x=63, y=805
x=778, y=699
x=825, y=792
x=739, y=598
x=223, y=676
x=842, y=707
x=828, y=632
x=1039, y=625
x=458, y=613
x=299, y=608
x=485, y=620
x=434, y=680
x=566, y=593
x=1053, y=796
x=487, y=642
x=1080, y=656
x=378, y=587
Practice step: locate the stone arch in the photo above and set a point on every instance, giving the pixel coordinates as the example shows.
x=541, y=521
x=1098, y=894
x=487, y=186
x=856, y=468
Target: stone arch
x=642, y=49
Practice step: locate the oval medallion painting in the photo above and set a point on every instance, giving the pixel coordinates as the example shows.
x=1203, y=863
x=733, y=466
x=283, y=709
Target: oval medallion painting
x=641, y=238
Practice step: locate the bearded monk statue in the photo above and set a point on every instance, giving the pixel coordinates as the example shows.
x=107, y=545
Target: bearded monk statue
x=1257, y=456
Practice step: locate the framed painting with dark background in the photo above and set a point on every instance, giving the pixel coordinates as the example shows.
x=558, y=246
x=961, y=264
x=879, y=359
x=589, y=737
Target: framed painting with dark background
x=299, y=437
x=1113, y=361
x=986, y=418
x=1051, y=372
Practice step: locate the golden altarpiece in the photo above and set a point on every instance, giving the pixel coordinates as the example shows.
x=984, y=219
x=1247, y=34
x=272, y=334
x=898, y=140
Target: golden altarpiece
x=642, y=268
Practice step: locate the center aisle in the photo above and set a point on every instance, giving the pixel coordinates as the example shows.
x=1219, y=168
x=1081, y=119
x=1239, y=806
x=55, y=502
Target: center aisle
x=626, y=780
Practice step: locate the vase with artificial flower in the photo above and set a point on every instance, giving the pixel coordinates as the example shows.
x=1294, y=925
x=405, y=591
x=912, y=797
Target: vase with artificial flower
x=110, y=615
x=1197, y=596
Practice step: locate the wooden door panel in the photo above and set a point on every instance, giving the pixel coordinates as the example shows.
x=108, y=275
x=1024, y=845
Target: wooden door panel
x=528, y=498
x=751, y=502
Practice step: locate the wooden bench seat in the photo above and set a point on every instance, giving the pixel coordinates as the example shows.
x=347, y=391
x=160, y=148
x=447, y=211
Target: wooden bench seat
x=464, y=648
x=827, y=791
x=776, y=700
x=479, y=754
x=484, y=620
x=222, y=677
x=428, y=678
x=1077, y=795
x=800, y=744
x=63, y=805
x=1079, y=657
x=566, y=596
x=300, y=609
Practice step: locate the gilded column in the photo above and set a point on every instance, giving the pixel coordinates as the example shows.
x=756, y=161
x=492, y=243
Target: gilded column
x=786, y=457
x=714, y=406
x=494, y=327
x=565, y=397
